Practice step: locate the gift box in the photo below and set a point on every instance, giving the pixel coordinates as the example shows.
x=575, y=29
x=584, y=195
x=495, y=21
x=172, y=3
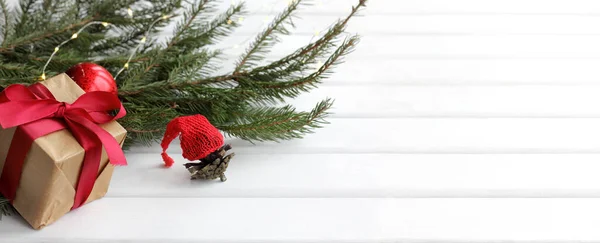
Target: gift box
x=67, y=167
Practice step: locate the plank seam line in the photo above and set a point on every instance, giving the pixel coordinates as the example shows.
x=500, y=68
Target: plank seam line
x=330, y=151
x=270, y=240
x=417, y=197
x=316, y=197
x=371, y=12
x=483, y=115
x=338, y=82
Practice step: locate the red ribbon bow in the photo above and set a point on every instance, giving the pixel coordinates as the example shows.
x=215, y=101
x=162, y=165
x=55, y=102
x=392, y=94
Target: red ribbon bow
x=37, y=113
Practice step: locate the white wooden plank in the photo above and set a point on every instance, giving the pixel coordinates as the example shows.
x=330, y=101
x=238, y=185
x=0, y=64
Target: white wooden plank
x=319, y=7
x=454, y=59
x=368, y=176
x=459, y=71
x=486, y=6
x=457, y=101
x=441, y=6
x=435, y=24
x=381, y=47
x=319, y=220
x=436, y=135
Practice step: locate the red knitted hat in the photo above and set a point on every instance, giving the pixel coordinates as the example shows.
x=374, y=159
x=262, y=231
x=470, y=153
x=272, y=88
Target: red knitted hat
x=198, y=137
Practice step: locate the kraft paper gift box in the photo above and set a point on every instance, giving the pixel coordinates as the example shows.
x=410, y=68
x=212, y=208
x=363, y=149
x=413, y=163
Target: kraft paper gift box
x=52, y=165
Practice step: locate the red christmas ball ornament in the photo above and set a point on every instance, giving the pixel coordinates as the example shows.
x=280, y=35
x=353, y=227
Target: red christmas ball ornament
x=92, y=77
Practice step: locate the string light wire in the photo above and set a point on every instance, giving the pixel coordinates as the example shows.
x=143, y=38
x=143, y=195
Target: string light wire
x=74, y=36
x=144, y=38
x=142, y=42
x=266, y=21
x=105, y=24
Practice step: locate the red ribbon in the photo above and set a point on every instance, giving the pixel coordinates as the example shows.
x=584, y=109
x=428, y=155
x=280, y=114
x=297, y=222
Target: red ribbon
x=35, y=112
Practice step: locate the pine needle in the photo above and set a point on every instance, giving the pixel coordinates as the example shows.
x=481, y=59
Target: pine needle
x=181, y=76
x=5, y=208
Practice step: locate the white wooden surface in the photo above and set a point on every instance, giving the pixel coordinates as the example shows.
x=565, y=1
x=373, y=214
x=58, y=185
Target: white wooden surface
x=455, y=121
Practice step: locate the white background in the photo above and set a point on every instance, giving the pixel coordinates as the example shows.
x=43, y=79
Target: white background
x=455, y=121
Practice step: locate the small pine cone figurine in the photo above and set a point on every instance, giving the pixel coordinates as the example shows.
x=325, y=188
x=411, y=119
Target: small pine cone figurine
x=213, y=166
x=201, y=141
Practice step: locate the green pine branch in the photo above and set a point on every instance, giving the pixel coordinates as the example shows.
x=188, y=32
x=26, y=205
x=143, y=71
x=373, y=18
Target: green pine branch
x=12, y=73
x=147, y=72
x=268, y=37
x=190, y=36
x=178, y=77
x=277, y=123
x=5, y=208
x=191, y=20
x=145, y=124
x=323, y=43
x=276, y=90
x=6, y=24
x=221, y=26
x=131, y=30
x=42, y=35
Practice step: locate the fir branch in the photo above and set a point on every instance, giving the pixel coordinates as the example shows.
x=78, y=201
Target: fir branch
x=192, y=35
x=144, y=72
x=261, y=124
x=144, y=125
x=25, y=8
x=220, y=26
x=337, y=29
x=67, y=12
x=6, y=25
x=11, y=73
x=54, y=10
x=132, y=29
x=289, y=71
x=40, y=36
x=5, y=208
x=178, y=77
x=189, y=17
x=190, y=66
x=270, y=90
x=266, y=38
x=164, y=85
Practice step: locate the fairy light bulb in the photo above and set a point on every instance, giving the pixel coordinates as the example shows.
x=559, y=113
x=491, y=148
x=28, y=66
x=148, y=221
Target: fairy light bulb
x=105, y=24
x=74, y=36
x=229, y=21
x=130, y=12
x=143, y=40
x=126, y=65
x=56, y=49
x=43, y=77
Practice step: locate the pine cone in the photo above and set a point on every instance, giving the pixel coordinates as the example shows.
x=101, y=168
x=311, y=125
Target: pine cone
x=212, y=166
